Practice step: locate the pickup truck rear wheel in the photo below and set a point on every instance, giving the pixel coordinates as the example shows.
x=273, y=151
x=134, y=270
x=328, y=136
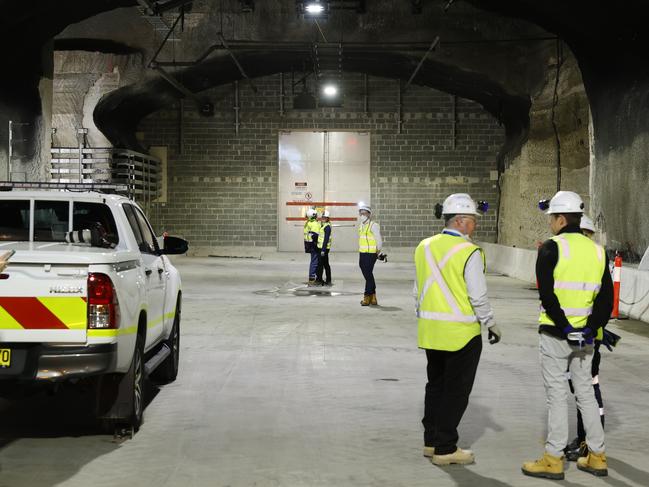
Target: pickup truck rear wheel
x=168, y=370
x=138, y=385
x=120, y=397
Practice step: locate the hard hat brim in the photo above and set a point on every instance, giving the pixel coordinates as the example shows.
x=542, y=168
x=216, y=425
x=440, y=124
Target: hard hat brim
x=550, y=212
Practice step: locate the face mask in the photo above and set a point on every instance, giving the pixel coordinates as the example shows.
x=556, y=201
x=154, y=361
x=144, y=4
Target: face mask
x=364, y=218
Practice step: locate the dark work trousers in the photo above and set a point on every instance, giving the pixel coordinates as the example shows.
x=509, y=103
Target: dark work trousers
x=366, y=262
x=323, y=266
x=450, y=380
x=597, y=357
x=313, y=265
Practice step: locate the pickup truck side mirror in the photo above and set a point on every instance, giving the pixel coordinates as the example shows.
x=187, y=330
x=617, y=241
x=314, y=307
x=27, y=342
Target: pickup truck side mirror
x=175, y=245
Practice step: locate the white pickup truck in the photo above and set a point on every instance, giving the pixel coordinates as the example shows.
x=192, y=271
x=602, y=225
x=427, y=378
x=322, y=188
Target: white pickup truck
x=106, y=311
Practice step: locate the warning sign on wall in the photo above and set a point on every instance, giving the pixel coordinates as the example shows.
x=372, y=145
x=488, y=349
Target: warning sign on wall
x=300, y=191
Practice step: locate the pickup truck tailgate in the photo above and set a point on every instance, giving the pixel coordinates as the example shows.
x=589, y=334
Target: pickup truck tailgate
x=43, y=301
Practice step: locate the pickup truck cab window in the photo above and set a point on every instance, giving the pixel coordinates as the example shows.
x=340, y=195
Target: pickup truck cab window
x=14, y=224
x=144, y=235
x=52, y=219
x=135, y=226
x=88, y=215
x=147, y=232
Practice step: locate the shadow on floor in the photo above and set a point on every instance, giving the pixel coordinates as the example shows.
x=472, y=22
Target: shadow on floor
x=66, y=411
x=29, y=423
x=466, y=476
x=477, y=419
x=463, y=476
x=632, y=473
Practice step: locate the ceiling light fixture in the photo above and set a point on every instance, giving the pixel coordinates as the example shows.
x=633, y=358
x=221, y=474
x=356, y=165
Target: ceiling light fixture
x=313, y=8
x=330, y=90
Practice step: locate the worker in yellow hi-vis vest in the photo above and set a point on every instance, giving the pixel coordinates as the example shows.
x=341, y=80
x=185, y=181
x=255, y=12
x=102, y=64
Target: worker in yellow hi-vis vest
x=325, y=239
x=311, y=233
x=452, y=303
x=576, y=295
x=369, y=248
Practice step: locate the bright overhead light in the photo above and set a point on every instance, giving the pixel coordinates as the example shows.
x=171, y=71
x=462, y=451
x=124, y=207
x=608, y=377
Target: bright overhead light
x=314, y=7
x=330, y=90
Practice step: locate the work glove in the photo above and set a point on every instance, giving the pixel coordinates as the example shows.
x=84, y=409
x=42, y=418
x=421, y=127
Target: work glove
x=589, y=336
x=494, y=334
x=610, y=339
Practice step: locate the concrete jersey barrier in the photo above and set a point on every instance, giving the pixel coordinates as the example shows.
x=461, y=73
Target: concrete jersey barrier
x=521, y=264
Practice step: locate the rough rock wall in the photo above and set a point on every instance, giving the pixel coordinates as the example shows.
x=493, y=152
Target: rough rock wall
x=620, y=182
x=620, y=166
x=532, y=174
x=80, y=80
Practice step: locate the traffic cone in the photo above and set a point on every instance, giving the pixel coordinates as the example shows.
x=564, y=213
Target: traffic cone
x=617, y=274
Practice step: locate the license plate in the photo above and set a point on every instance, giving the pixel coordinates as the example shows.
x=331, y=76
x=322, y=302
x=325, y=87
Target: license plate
x=5, y=357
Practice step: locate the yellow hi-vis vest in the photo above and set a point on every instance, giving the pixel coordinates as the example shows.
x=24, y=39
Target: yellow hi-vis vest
x=311, y=226
x=321, y=236
x=366, y=238
x=446, y=319
x=577, y=278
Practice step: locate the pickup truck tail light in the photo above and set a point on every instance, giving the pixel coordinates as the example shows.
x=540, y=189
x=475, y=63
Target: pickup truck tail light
x=102, y=302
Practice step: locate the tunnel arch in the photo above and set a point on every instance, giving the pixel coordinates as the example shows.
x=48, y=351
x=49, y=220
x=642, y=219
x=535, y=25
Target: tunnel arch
x=119, y=112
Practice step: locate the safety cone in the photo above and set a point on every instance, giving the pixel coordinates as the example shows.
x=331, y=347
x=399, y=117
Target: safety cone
x=617, y=274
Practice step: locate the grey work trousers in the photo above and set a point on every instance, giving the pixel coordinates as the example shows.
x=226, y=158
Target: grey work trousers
x=557, y=356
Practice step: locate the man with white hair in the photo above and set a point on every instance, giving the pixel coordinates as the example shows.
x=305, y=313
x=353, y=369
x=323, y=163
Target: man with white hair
x=452, y=304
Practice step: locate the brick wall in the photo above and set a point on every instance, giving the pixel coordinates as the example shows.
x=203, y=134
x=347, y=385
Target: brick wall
x=221, y=182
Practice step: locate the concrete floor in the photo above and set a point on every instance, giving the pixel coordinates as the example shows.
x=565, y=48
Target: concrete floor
x=309, y=389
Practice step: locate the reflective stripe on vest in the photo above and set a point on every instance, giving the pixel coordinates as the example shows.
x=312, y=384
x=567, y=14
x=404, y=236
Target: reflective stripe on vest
x=321, y=236
x=577, y=277
x=446, y=319
x=366, y=238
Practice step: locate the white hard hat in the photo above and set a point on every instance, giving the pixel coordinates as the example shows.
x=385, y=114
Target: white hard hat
x=459, y=204
x=587, y=224
x=310, y=213
x=565, y=202
x=363, y=206
x=325, y=214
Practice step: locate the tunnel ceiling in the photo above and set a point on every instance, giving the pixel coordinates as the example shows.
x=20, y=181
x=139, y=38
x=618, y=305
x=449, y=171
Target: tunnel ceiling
x=493, y=51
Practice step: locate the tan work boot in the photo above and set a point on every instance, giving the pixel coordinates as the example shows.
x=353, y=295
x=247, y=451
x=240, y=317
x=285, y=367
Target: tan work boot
x=429, y=451
x=373, y=300
x=366, y=300
x=594, y=463
x=459, y=457
x=547, y=467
